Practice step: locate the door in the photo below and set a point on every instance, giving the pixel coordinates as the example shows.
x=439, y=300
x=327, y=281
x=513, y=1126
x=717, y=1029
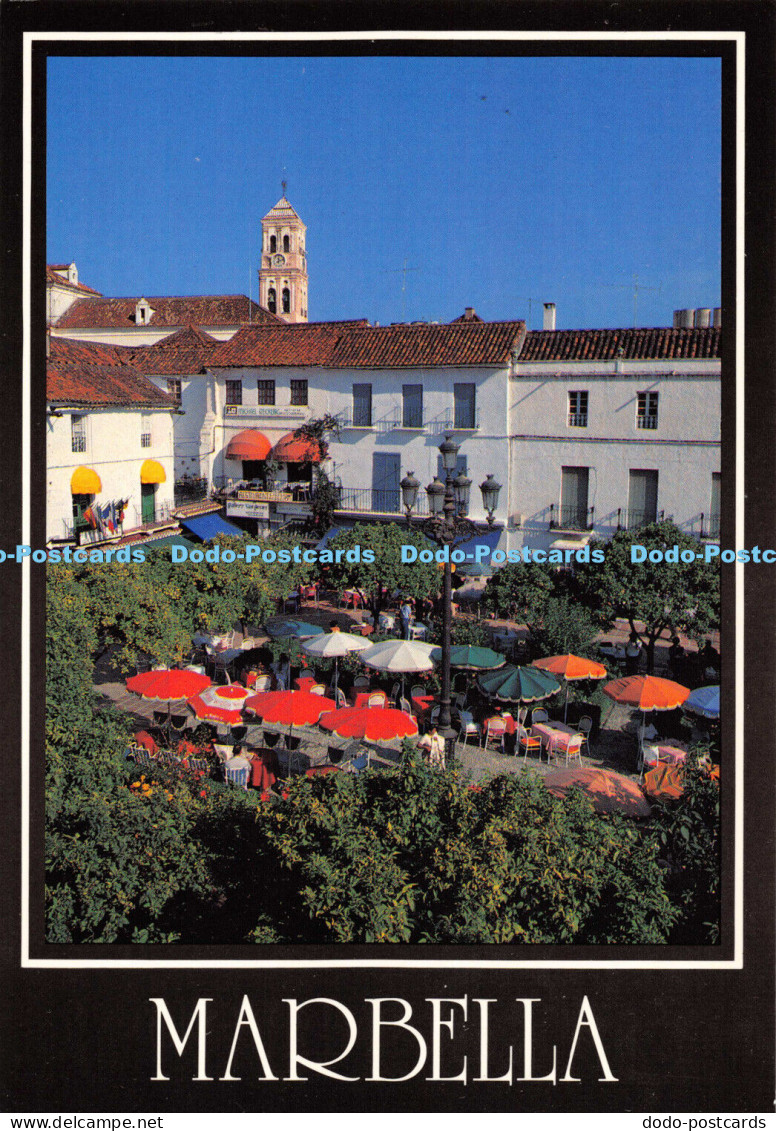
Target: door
x=147, y=502
x=642, y=498
x=573, y=497
x=386, y=472
x=716, y=504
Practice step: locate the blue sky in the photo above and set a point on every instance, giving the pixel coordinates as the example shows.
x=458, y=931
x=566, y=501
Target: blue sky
x=497, y=181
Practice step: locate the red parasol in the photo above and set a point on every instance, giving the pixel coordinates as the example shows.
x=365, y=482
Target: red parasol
x=607, y=791
x=221, y=704
x=371, y=723
x=168, y=684
x=295, y=708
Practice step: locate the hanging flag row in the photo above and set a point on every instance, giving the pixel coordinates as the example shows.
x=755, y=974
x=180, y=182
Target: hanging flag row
x=106, y=517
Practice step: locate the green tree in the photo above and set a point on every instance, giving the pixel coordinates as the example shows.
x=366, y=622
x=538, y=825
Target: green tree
x=384, y=540
x=677, y=595
x=519, y=591
x=561, y=627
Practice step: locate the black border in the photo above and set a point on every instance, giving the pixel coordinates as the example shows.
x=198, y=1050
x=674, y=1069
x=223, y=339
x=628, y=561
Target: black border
x=721, y=1021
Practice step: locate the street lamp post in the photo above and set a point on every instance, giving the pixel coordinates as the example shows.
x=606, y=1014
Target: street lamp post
x=448, y=526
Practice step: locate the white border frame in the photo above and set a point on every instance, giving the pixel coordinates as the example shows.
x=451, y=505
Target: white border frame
x=737, y=962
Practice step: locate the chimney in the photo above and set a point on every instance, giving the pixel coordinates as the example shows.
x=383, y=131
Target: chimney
x=469, y=314
x=717, y=315
x=549, y=316
x=703, y=318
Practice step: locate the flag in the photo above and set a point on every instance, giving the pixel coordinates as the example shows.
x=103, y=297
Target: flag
x=100, y=515
x=90, y=517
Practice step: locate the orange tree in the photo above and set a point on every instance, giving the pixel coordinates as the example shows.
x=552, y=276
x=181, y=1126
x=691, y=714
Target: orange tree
x=386, y=570
x=414, y=855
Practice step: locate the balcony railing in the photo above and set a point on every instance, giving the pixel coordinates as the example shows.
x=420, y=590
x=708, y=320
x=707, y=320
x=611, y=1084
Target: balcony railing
x=190, y=490
x=710, y=526
x=370, y=500
x=646, y=421
x=628, y=519
x=571, y=517
x=577, y=420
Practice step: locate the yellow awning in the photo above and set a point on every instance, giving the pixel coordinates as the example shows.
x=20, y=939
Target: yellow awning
x=85, y=481
x=152, y=472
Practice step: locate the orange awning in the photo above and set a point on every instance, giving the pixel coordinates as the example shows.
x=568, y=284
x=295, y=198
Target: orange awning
x=85, y=481
x=248, y=444
x=292, y=450
x=152, y=472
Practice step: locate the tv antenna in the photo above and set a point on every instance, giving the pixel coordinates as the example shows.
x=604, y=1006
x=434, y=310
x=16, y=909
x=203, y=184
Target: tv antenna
x=636, y=287
x=403, y=272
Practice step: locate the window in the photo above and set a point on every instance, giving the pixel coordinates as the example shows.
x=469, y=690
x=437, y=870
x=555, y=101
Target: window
x=464, y=403
x=461, y=468
x=272, y=301
x=234, y=392
x=78, y=433
x=145, y=430
x=273, y=243
x=412, y=406
x=646, y=410
x=286, y=300
x=298, y=392
x=266, y=392
x=642, y=498
x=174, y=388
x=716, y=504
x=286, y=243
x=362, y=406
x=578, y=409
x=573, y=497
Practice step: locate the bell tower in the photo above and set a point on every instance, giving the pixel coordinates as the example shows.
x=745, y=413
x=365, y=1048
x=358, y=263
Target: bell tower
x=283, y=271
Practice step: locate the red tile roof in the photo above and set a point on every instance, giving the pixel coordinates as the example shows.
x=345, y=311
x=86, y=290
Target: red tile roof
x=91, y=375
x=180, y=354
x=53, y=276
x=362, y=346
x=610, y=345
x=202, y=310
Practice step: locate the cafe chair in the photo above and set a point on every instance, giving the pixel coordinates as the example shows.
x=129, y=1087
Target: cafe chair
x=405, y=706
x=539, y=716
x=361, y=683
x=238, y=777
x=574, y=750
x=341, y=698
x=493, y=731
x=417, y=689
x=306, y=674
x=376, y=699
x=317, y=689
x=395, y=689
x=199, y=765
x=528, y=742
x=585, y=725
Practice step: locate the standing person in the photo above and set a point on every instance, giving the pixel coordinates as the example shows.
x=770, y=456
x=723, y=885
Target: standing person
x=282, y=670
x=632, y=654
x=405, y=616
x=435, y=745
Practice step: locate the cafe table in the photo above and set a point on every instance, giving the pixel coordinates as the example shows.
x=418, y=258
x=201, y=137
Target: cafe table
x=673, y=755
x=557, y=737
x=304, y=683
x=361, y=698
x=422, y=705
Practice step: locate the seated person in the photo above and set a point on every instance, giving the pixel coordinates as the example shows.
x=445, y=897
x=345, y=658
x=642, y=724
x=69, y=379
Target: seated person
x=238, y=760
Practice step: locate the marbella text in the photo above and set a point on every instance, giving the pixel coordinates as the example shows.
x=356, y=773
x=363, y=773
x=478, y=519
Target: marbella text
x=478, y=553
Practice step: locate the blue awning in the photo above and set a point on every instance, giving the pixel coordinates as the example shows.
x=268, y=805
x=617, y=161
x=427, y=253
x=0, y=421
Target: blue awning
x=489, y=538
x=208, y=526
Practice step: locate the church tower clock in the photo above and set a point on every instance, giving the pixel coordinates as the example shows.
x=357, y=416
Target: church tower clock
x=283, y=271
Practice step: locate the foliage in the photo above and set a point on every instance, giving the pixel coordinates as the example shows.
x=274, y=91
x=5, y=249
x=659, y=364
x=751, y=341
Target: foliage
x=387, y=573
x=681, y=596
x=687, y=832
x=324, y=504
x=519, y=591
x=318, y=431
x=415, y=855
x=563, y=627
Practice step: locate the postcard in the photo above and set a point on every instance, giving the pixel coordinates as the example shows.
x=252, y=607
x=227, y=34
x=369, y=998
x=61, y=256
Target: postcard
x=388, y=561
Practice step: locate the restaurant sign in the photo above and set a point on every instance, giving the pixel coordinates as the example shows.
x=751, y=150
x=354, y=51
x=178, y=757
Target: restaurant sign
x=282, y=412
x=244, y=509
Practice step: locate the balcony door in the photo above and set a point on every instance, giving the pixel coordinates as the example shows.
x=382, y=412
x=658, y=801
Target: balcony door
x=573, y=497
x=386, y=473
x=642, y=498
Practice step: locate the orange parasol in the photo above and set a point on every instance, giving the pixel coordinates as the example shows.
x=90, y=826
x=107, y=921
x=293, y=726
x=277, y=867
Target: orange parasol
x=297, y=708
x=607, y=791
x=570, y=667
x=647, y=692
x=664, y=783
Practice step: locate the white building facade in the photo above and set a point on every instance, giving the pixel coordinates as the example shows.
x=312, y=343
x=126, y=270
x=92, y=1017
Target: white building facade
x=109, y=447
